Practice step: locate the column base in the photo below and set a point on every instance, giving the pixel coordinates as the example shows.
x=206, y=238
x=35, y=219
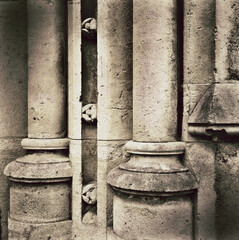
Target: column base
x=138, y=217
x=30, y=231
x=154, y=193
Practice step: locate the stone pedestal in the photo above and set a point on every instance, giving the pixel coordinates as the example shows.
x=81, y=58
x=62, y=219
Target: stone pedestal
x=40, y=193
x=154, y=190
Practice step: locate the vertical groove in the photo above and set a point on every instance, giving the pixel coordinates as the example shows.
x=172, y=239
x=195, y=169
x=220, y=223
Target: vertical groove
x=180, y=46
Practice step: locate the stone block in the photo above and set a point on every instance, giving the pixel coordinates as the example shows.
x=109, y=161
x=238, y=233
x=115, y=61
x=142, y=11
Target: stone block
x=199, y=157
x=110, y=155
x=29, y=231
x=199, y=44
x=10, y=149
x=40, y=203
x=153, y=218
x=227, y=190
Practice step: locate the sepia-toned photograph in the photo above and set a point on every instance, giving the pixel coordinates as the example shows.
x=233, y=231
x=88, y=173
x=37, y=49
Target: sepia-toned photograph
x=119, y=119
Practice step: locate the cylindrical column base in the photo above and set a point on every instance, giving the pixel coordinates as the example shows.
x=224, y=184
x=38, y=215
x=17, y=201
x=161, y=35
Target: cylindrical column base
x=30, y=231
x=40, y=202
x=138, y=217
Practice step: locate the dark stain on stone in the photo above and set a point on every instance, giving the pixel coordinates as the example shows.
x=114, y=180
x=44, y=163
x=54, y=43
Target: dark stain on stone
x=233, y=46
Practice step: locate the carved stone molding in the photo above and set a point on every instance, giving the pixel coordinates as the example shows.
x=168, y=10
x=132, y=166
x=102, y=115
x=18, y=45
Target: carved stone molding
x=217, y=112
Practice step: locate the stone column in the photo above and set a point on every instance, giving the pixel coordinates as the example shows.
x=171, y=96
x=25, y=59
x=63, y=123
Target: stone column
x=40, y=193
x=114, y=127
x=74, y=113
x=154, y=189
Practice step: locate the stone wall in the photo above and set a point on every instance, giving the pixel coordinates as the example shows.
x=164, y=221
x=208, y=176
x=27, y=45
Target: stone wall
x=13, y=93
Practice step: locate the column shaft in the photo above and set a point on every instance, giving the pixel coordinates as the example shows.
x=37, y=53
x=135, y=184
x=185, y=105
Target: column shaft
x=155, y=71
x=46, y=69
x=114, y=42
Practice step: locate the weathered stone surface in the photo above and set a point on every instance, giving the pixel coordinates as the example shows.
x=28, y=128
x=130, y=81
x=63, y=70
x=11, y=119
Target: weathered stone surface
x=218, y=105
x=160, y=148
x=114, y=127
x=110, y=155
x=227, y=36
x=74, y=69
x=13, y=69
x=192, y=94
x=153, y=218
x=40, y=167
x=227, y=190
x=10, y=149
x=114, y=31
x=40, y=203
x=199, y=43
x=151, y=183
x=45, y=144
x=153, y=169
x=89, y=160
x=200, y=157
x=46, y=73
x=155, y=71
x=75, y=155
x=29, y=231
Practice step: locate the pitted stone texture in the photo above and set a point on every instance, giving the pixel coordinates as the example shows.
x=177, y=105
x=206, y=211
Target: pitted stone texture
x=227, y=36
x=218, y=105
x=10, y=149
x=161, y=148
x=39, y=167
x=89, y=160
x=75, y=155
x=227, y=190
x=153, y=169
x=74, y=68
x=114, y=31
x=30, y=231
x=199, y=157
x=40, y=203
x=153, y=218
x=45, y=144
x=110, y=155
x=155, y=71
x=199, y=55
x=199, y=46
x=150, y=183
x=13, y=68
x=46, y=73
x=192, y=94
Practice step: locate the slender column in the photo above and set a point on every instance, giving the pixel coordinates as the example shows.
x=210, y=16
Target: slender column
x=154, y=180
x=43, y=177
x=74, y=112
x=46, y=72
x=114, y=42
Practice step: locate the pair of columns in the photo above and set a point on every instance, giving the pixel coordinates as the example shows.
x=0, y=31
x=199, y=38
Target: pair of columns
x=154, y=190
